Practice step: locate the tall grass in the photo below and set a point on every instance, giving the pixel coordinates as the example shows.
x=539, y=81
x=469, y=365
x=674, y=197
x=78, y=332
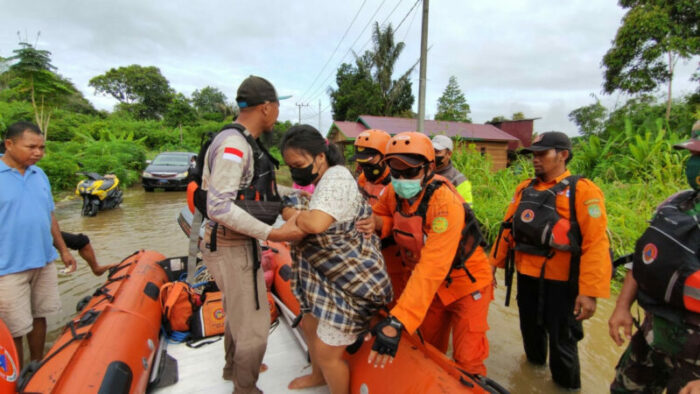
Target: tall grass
x=636, y=170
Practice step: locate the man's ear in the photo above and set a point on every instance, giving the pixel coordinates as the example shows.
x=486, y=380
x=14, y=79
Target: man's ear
x=565, y=154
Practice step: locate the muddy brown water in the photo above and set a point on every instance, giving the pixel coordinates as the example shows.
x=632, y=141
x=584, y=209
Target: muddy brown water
x=148, y=221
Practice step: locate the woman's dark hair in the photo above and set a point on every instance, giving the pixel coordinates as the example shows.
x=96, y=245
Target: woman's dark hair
x=306, y=138
x=16, y=129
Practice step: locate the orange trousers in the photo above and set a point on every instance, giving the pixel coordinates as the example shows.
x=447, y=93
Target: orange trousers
x=467, y=319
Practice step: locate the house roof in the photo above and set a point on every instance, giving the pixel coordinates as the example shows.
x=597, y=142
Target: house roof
x=468, y=131
x=350, y=129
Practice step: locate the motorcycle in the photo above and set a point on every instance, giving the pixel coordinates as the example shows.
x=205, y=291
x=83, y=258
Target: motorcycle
x=98, y=192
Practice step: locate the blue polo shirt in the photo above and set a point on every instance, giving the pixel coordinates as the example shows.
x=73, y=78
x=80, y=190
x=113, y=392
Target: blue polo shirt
x=25, y=220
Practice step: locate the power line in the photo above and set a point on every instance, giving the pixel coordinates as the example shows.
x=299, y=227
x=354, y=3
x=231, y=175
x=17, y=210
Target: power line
x=335, y=50
x=369, y=21
x=413, y=7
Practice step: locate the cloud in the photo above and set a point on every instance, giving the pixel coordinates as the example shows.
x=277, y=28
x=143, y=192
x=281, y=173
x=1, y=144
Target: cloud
x=541, y=58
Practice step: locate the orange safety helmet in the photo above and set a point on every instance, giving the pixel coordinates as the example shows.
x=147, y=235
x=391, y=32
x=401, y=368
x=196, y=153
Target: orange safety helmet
x=373, y=139
x=410, y=143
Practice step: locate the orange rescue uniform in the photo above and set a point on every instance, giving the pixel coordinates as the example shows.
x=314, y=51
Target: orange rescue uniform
x=596, y=267
x=462, y=305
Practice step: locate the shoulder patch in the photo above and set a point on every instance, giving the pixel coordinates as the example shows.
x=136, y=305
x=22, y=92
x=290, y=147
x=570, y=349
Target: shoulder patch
x=232, y=154
x=594, y=210
x=439, y=224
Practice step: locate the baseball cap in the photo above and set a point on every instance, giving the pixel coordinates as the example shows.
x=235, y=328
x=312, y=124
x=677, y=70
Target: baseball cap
x=256, y=90
x=693, y=144
x=441, y=142
x=406, y=158
x=549, y=140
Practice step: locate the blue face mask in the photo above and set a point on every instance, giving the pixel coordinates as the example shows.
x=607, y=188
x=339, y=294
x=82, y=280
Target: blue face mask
x=406, y=188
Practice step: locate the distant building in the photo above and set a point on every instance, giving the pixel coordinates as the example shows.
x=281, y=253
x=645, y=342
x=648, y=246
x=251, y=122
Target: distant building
x=487, y=138
x=521, y=129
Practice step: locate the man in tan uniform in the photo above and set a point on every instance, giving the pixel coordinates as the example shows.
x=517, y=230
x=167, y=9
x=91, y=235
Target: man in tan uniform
x=236, y=167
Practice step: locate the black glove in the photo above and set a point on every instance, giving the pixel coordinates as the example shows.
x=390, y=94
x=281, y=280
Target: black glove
x=384, y=344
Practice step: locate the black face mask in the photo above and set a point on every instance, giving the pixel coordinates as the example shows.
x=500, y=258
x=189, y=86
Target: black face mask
x=303, y=176
x=373, y=171
x=439, y=161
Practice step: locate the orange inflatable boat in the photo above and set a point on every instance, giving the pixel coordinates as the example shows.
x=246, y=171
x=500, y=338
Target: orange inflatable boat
x=418, y=367
x=9, y=361
x=111, y=344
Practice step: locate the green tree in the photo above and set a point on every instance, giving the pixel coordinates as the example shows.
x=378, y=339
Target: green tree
x=210, y=100
x=142, y=91
x=179, y=112
x=518, y=116
x=590, y=119
x=32, y=75
x=357, y=93
x=499, y=118
x=653, y=36
x=368, y=87
x=452, y=106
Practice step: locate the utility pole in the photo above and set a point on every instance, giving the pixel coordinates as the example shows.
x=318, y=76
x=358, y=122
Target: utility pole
x=301, y=105
x=423, y=66
x=319, y=116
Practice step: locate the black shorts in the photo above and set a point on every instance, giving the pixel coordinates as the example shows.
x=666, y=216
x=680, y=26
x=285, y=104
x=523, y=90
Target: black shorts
x=75, y=241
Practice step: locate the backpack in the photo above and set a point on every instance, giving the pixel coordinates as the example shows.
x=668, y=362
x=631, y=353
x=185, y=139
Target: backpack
x=177, y=305
x=208, y=319
x=666, y=265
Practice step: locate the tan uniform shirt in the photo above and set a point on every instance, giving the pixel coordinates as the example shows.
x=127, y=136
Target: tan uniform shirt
x=229, y=167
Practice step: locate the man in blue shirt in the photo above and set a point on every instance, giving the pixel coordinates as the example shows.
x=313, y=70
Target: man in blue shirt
x=29, y=232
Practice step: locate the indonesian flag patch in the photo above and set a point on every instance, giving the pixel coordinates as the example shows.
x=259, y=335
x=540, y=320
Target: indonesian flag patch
x=233, y=154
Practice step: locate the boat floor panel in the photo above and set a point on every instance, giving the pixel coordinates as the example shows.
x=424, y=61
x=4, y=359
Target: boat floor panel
x=200, y=369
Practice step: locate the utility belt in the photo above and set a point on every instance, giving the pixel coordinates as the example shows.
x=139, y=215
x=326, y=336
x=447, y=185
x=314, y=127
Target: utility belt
x=212, y=241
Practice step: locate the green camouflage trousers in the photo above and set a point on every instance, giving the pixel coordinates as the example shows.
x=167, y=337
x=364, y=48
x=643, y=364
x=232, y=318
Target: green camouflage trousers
x=661, y=355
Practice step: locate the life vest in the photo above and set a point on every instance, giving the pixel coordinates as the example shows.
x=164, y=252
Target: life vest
x=372, y=191
x=407, y=232
x=263, y=186
x=537, y=229
x=536, y=226
x=666, y=265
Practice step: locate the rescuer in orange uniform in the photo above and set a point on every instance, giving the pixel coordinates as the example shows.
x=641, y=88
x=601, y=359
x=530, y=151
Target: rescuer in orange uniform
x=370, y=146
x=563, y=260
x=450, y=284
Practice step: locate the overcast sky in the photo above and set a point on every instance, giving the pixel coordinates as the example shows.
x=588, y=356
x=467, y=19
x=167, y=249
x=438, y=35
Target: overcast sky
x=539, y=57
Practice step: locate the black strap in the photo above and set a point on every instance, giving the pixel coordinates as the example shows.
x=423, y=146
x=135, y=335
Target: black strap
x=575, y=237
x=510, y=272
x=256, y=267
x=212, y=238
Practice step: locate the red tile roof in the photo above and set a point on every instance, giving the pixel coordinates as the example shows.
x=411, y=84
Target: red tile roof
x=468, y=131
x=349, y=129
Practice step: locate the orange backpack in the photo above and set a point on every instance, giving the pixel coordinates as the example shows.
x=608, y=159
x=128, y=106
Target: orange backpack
x=176, y=300
x=208, y=320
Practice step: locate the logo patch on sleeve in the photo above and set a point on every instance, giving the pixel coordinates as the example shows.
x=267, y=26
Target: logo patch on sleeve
x=594, y=211
x=439, y=225
x=233, y=154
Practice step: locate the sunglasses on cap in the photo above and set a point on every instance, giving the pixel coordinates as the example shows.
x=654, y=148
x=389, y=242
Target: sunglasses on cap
x=408, y=173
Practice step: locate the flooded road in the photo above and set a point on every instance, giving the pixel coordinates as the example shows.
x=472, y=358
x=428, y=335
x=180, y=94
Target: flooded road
x=148, y=221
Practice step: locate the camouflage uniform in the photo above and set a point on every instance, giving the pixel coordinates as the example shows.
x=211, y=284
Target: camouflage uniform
x=661, y=355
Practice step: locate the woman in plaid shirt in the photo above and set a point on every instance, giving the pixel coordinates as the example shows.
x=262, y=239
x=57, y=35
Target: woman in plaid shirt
x=339, y=275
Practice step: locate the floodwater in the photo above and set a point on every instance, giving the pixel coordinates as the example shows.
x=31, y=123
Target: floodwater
x=148, y=221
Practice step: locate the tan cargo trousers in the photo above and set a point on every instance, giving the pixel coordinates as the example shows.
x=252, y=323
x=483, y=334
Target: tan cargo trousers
x=245, y=339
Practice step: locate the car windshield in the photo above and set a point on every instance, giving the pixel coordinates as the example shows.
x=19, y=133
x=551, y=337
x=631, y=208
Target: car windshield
x=171, y=160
